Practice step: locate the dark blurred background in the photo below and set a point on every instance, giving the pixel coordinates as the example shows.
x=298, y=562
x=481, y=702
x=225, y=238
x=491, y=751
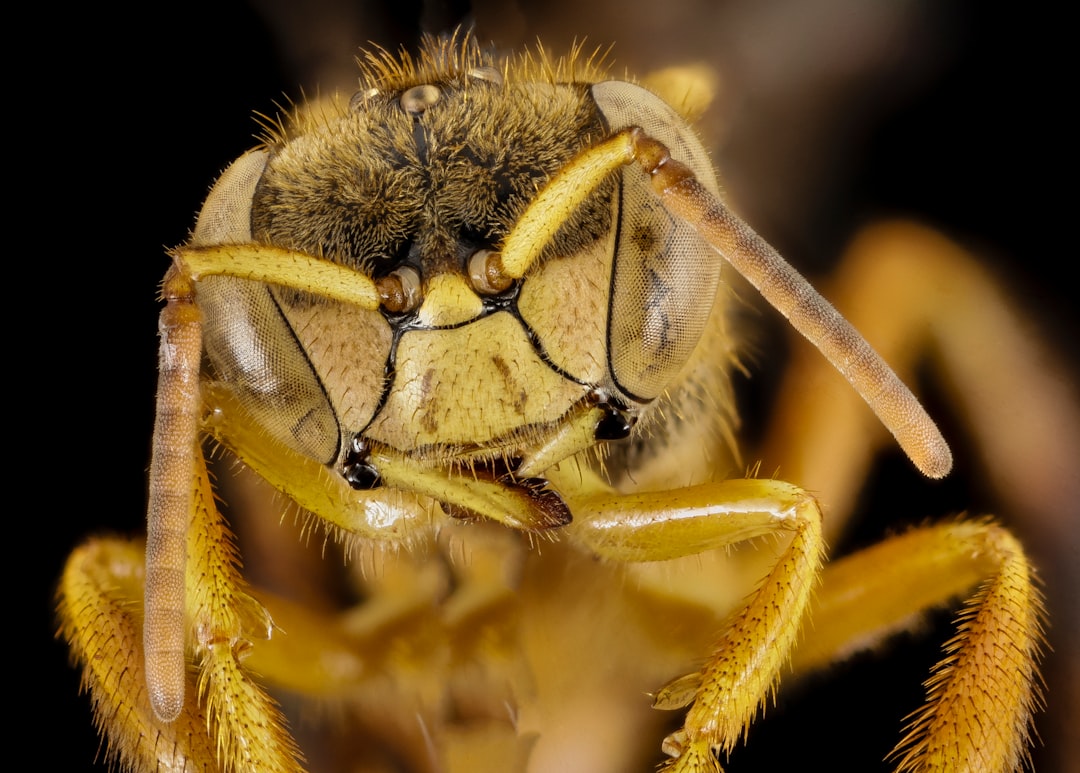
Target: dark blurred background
x=830, y=113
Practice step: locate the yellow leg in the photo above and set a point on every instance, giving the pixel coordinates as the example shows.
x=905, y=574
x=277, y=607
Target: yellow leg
x=742, y=672
x=225, y=721
x=100, y=609
x=989, y=670
x=980, y=696
x=246, y=725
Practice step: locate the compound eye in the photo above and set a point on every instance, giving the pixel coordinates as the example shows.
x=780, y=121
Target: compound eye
x=665, y=276
x=248, y=341
x=486, y=273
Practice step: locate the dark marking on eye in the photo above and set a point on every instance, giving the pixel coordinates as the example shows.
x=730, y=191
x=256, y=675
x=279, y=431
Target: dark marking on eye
x=644, y=238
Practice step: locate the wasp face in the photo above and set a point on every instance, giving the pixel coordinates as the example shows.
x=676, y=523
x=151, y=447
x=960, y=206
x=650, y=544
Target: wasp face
x=417, y=183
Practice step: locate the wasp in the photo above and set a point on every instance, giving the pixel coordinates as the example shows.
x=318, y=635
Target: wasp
x=472, y=323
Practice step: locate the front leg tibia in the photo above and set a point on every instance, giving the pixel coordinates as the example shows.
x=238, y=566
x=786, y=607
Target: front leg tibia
x=745, y=664
x=226, y=622
x=744, y=667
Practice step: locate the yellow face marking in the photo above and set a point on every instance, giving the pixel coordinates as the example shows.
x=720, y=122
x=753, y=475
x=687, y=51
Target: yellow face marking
x=449, y=300
x=469, y=385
